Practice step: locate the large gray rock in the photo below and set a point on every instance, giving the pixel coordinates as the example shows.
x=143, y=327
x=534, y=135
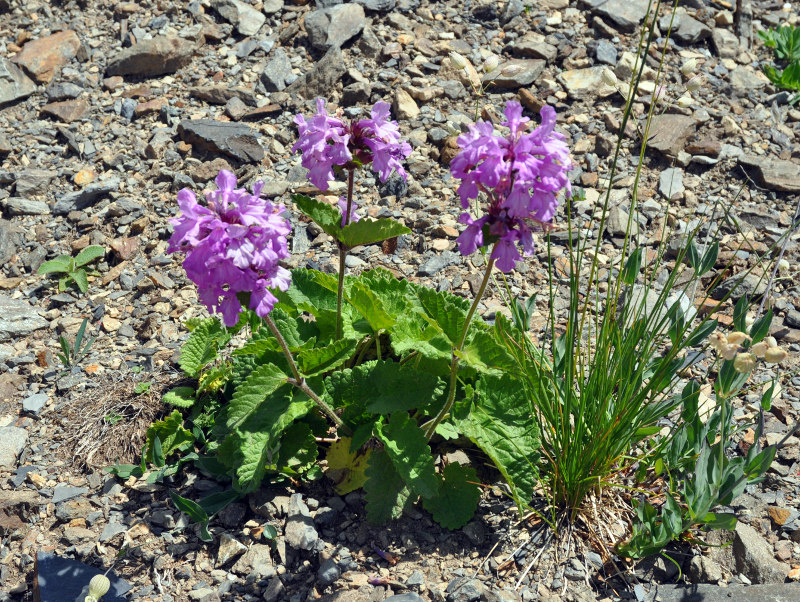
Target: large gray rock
x=326, y=73
x=18, y=318
x=785, y=592
x=685, y=29
x=335, y=25
x=738, y=286
x=625, y=14
x=12, y=442
x=277, y=71
x=229, y=548
x=19, y=206
x=754, y=557
x=744, y=78
x=775, y=174
x=86, y=197
x=246, y=19
x=726, y=43
x=587, y=82
x=9, y=241
x=300, y=532
x=670, y=183
x=34, y=181
x=669, y=133
x=257, y=559
x=14, y=84
x=157, y=56
x=516, y=73
x=236, y=140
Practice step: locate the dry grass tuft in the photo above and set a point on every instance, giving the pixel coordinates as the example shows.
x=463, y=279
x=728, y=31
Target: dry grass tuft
x=108, y=423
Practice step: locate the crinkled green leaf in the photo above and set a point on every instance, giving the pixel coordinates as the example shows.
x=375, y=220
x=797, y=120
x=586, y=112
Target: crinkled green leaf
x=171, y=435
x=501, y=424
x=324, y=215
x=201, y=347
x=408, y=448
x=366, y=231
x=298, y=450
x=250, y=396
x=383, y=387
x=322, y=359
x=81, y=280
x=181, y=397
x=386, y=492
x=368, y=305
x=62, y=263
x=458, y=497
x=444, y=312
x=484, y=353
x=88, y=255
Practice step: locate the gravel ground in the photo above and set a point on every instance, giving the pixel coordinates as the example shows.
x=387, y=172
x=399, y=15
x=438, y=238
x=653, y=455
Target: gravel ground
x=107, y=109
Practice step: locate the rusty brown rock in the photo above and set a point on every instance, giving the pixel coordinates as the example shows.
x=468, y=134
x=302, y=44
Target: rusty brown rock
x=67, y=110
x=151, y=106
x=45, y=57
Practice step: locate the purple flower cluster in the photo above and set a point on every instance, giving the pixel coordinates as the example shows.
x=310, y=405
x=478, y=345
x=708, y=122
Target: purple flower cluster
x=520, y=173
x=232, y=246
x=326, y=141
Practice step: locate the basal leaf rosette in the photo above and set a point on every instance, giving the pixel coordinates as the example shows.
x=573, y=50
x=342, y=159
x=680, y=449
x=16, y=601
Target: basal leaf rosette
x=233, y=245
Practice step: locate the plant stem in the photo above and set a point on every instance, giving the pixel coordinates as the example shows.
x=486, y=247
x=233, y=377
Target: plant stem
x=343, y=251
x=430, y=428
x=300, y=382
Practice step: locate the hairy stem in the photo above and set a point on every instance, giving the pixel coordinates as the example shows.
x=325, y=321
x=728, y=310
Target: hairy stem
x=430, y=427
x=343, y=251
x=300, y=382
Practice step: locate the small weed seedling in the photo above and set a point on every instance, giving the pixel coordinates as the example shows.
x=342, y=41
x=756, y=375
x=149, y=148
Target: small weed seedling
x=785, y=41
x=142, y=388
x=72, y=267
x=71, y=355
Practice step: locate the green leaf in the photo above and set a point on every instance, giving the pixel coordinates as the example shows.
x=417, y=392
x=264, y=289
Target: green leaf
x=181, y=397
x=214, y=502
x=740, y=314
x=325, y=216
x=632, y=267
x=169, y=435
x=251, y=394
x=673, y=517
x=760, y=464
x=80, y=278
x=323, y=359
x=700, y=334
x=383, y=387
x=502, y=426
x=368, y=305
x=766, y=398
x=201, y=347
x=88, y=255
x=760, y=328
x=693, y=255
x=406, y=445
x=484, y=353
x=298, y=450
x=386, y=492
x=62, y=263
x=64, y=282
x=444, y=311
x=366, y=231
x=346, y=468
x=719, y=520
x=125, y=471
x=709, y=259
x=458, y=497
x=194, y=511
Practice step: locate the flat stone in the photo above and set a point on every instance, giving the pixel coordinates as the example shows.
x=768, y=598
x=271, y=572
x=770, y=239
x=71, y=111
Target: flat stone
x=246, y=19
x=74, y=508
x=775, y=174
x=236, y=140
x=14, y=84
x=332, y=27
x=516, y=73
x=714, y=593
x=12, y=442
x=158, y=56
x=66, y=580
x=111, y=530
x=326, y=73
x=86, y=197
x=271, y=7
x=669, y=133
x=63, y=91
x=404, y=106
x=437, y=263
x=45, y=57
x=277, y=72
x=625, y=14
x=300, y=532
x=220, y=95
x=382, y=6
x=738, y=286
x=670, y=183
x=34, y=181
x=533, y=46
x=18, y=318
x=754, y=557
x=587, y=82
x=256, y=559
x=9, y=240
x=725, y=42
x=66, y=110
x=229, y=548
x=690, y=31
x=34, y=403
x=20, y=206
x=66, y=492
x=745, y=78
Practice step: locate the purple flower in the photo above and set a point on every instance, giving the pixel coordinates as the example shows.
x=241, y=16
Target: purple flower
x=354, y=217
x=520, y=174
x=232, y=246
x=326, y=141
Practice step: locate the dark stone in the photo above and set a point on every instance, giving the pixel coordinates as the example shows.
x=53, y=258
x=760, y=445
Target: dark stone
x=325, y=74
x=220, y=95
x=86, y=197
x=233, y=139
x=381, y=6
x=9, y=241
x=437, y=263
x=276, y=72
x=157, y=56
x=64, y=580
